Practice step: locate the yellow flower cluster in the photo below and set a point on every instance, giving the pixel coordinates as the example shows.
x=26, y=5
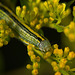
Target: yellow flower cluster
x=70, y=31
x=35, y=59
x=30, y=17
x=5, y=33
x=42, y=13
x=62, y=57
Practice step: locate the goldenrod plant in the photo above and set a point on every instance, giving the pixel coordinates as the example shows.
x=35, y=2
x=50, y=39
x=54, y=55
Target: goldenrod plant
x=37, y=14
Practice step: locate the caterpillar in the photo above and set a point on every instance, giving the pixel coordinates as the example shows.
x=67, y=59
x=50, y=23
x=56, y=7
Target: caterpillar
x=23, y=31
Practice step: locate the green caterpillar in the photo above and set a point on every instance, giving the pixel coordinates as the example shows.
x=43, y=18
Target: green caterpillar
x=25, y=33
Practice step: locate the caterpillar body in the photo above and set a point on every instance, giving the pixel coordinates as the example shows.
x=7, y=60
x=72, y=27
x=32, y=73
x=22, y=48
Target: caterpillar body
x=24, y=32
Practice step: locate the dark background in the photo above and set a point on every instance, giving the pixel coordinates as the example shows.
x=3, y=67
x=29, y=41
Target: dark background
x=15, y=54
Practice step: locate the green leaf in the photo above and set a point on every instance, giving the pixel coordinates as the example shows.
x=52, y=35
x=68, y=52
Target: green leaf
x=59, y=28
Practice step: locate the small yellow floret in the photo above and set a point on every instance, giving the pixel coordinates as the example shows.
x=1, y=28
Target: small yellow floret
x=71, y=37
x=72, y=25
x=6, y=32
x=51, y=14
x=1, y=40
x=32, y=23
x=1, y=27
x=45, y=20
x=73, y=8
x=1, y=44
x=2, y=22
x=55, y=46
x=29, y=66
x=63, y=60
x=71, y=55
x=35, y=71
x=40, y=21
x=55, y=68
x=48, y=2
x=33, y=58
x=57, y=73
x=38, y=59
x=29, y=47
x=67, y=67
x=35, y=65
x=60, y=52
x=35, y=10
x=74, y=11
x=51, y=19
x=56, y=51
x=54, y=63
x=38, y=26
x=66, y=30
x=24, y=7
x=30, y=53
x=18, y=10
x=66, y=50
x=23, y=13
x=37, y=1
x=45, y=3
x=48, y=54
x=61, y=65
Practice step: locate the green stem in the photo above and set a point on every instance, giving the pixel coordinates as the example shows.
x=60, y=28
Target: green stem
x=64, y=72
x=73, y=69
x=41, y=54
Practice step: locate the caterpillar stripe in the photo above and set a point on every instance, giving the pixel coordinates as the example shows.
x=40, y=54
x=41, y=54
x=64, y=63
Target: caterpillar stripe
x=23, y=31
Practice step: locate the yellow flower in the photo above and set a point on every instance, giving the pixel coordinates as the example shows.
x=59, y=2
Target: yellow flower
x=1, y=40
x=66, y=31
x=30, y=53
x=51, y=19
x=54, y=63
x=46, y=4
x=40, y=21
x=38, y=59
x=1, y=27
x=67, y=67
x=60, y=52
x=57, y=73
x=35, y=65
x=71, y=55
x=56, y=68
x=55, y=46
x=45, y=20
x=29, y=47
x=33, y=58
x=66, y=50
x=61, y=65
x=35, y=10
x=38, y=26
x=29, y=66
x=72, y=25
x=71, y=37
x=48, y=54
x=74, y=11
x=63, y=60
x=35, y=71
x=1, y=44
x=18, y=10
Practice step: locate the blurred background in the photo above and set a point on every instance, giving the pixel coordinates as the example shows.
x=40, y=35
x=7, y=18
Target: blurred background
x=14, y=58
